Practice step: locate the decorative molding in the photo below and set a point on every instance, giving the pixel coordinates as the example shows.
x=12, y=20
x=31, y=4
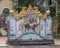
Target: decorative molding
x=31, y=9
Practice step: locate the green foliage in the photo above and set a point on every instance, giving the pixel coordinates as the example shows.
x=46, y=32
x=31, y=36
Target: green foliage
x=58, y=5
x=22, y=3
x=41, y=1
x=58, y=16
x=42, y=9
x=53, y=9
x=58, y=13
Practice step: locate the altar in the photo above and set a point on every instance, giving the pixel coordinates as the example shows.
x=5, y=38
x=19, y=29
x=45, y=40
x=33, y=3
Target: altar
x=30, y=26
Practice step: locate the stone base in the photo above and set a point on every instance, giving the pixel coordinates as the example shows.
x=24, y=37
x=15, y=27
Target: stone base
x=40, y=42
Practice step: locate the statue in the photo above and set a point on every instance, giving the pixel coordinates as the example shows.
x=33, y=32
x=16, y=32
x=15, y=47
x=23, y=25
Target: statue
x=42, y=27
x=3, y=25
x=48, y=24
x=19, y=29
x=31, y=22
x=10, y=20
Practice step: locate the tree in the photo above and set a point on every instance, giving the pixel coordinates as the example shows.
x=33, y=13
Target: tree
x=22, y=3
x=53, y=9
x=58, y=12
x=58, y=16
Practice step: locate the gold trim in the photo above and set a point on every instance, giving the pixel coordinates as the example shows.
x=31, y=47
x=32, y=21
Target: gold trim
x=34, y=10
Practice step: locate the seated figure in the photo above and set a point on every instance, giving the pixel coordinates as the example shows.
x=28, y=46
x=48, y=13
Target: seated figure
x=31, y=23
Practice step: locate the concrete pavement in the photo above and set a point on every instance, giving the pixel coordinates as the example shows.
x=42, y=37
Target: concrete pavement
x=3, y=41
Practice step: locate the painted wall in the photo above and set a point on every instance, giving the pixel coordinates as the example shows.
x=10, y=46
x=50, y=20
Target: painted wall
x=5, y=4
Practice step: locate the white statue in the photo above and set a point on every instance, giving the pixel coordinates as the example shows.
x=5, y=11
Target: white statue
x=42, y=27
x=12, y=23
x=19, y=29
x=48, y=24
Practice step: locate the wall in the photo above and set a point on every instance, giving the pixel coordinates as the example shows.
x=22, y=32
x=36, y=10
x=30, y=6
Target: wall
x=5, y=4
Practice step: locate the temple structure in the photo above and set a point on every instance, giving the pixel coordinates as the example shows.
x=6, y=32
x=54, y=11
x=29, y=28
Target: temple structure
x=30, y=26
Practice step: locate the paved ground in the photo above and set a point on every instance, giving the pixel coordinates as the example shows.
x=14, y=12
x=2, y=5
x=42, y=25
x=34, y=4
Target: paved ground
x=3, y=41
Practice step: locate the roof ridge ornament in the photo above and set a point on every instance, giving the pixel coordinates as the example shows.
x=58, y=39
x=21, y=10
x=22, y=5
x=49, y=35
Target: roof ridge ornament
x=31, y=9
